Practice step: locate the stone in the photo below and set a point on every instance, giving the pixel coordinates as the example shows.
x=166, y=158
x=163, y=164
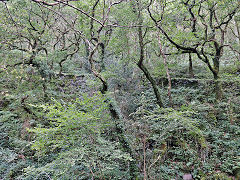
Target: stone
x=187, y=177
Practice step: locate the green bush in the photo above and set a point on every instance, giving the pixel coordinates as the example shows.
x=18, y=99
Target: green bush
x=78, y=134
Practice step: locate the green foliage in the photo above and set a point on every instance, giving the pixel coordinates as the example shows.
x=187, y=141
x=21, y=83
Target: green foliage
x=77, y=133
x=72, y=122
x=169, y=133
x=98, y=159
x=79, y=136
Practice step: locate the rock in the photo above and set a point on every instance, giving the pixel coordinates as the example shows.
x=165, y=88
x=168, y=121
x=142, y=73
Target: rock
x=187, y=177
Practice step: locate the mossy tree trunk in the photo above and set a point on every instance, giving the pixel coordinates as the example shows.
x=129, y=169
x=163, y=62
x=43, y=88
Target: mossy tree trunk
x=190, y=67
x=141, y=59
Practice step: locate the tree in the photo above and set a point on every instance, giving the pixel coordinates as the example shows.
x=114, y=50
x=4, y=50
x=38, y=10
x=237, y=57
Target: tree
x=201, y=29
x=137, y=8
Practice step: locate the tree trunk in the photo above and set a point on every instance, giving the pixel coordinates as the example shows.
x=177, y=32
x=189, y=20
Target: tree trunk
x=145, y=70
x=238, y=40
x=102, y=57
x=137, y=11
x=190, y=68
x=153, y=83
x=167, y=71
x=215, y=71
x=218, y=87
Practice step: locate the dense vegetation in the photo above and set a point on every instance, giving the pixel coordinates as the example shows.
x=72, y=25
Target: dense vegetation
x=120, y=89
